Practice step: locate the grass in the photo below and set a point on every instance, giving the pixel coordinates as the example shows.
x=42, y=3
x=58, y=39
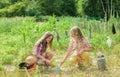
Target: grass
x=111, y=72
x=19, y=34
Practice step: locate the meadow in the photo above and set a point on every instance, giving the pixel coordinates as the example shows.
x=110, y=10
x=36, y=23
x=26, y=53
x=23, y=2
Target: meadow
x=19, y=34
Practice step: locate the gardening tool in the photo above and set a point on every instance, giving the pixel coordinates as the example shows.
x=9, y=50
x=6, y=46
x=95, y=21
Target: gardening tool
x=57, y=69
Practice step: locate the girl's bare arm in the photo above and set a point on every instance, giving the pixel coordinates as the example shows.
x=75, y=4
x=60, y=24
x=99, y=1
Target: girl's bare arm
x=40, y=56
x=69, y=50
x=87, y=47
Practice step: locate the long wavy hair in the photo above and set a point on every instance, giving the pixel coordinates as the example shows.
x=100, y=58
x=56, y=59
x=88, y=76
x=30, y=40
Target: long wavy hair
x=43, y=40
x=77, y=34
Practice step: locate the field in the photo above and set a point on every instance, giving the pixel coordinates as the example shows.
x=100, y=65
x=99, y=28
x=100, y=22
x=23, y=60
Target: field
x=19, y=34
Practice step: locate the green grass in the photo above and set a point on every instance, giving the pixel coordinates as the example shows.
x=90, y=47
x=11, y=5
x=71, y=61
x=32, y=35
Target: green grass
x=19, y=34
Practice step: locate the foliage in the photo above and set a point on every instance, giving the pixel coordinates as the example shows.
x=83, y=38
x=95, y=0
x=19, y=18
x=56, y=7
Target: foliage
x=94, y=8
x=38, y=8
x=81, y=5
x=13, y=10
x=19, y=34
x=116, y=50
x=5, y=3
x=61, y=7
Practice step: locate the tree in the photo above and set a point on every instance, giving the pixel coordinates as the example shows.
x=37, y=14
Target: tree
x=57, y=7
x=94, y=9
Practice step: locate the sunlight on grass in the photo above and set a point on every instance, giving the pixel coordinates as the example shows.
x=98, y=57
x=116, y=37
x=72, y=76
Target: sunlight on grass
x=18, y=35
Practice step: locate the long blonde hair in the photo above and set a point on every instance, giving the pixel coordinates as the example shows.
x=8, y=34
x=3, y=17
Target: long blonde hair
x=77, y=34
x=43, y=40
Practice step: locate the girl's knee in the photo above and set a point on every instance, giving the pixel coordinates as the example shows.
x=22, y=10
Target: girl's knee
x=49, y=55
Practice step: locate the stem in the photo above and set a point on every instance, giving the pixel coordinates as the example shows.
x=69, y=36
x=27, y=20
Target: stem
x=103, y=8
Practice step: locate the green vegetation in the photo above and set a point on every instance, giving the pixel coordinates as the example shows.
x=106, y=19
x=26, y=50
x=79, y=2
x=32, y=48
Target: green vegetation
x=23, y=22
x=91, y=8
x=19, y=34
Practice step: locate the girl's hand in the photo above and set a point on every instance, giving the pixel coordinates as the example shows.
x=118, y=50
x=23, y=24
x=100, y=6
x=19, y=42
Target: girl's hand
x=61, y=63
x=80, y=52
x=46, y=60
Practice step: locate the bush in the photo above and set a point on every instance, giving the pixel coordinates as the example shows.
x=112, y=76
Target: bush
x=13, y=10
